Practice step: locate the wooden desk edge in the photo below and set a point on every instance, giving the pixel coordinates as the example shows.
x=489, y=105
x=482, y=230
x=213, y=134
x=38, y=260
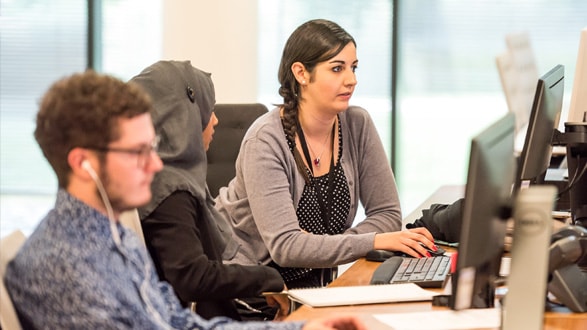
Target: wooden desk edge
x=360, y=274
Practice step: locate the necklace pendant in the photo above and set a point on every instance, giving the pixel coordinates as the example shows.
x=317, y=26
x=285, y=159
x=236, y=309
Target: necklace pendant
x=317, y=162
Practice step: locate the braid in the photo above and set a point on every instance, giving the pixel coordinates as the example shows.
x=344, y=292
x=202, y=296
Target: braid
x=290, y=112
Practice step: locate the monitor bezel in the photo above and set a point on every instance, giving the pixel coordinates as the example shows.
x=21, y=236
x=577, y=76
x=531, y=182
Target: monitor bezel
x=545, y=115
x=486, y=208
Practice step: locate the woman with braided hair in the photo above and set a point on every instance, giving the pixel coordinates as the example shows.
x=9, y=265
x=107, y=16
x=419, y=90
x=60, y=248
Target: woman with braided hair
x=304, y=167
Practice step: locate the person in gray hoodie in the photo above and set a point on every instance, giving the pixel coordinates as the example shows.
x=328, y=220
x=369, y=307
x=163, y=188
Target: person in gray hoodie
x=185, y=235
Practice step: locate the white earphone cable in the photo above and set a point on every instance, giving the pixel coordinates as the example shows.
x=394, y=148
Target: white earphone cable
x=106, y=202
x=116, y=237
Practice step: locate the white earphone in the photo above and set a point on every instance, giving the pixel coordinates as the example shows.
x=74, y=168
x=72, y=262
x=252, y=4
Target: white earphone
x=86, y=166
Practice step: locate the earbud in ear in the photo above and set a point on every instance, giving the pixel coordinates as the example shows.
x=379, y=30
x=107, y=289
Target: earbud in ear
x=88, y=168
x=86, y=165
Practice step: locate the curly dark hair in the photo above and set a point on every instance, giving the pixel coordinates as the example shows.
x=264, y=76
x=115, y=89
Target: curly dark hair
x=83, y=110
x=313, y=42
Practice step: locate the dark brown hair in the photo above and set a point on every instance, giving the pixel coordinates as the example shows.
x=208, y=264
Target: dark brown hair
x=83, y=110
x=311, y=43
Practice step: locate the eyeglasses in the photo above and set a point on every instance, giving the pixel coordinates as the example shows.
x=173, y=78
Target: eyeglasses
x=143, y=153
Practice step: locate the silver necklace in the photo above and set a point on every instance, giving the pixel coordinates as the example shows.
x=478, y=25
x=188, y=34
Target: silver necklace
x=317, y=159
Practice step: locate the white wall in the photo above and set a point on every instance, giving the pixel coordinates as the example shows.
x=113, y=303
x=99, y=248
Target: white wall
x=217, y=36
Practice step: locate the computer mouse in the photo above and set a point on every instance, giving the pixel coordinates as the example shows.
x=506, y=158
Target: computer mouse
x=439, y=251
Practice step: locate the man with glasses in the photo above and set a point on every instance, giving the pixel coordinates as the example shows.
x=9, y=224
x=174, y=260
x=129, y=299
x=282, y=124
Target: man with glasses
x=143, y=153
x=80, y=269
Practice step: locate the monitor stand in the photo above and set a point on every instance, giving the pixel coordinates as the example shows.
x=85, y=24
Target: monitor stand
x=575, y=140
x=558, y=177
x=482, y=279
x=569, y=286
x=567, y=256
x=525, y=299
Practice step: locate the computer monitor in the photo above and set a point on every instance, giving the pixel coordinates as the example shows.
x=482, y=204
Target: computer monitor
x=544, y=119
x=576, y=125
x=578, y=108
x=486, y=208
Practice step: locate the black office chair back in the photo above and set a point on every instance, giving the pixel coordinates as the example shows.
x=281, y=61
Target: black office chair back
x=233, y=122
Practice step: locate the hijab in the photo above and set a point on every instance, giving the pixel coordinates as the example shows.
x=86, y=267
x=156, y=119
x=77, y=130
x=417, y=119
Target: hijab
x=183, y=100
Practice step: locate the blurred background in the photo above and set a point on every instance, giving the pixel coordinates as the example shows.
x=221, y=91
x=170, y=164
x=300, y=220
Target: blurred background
x=427, y=72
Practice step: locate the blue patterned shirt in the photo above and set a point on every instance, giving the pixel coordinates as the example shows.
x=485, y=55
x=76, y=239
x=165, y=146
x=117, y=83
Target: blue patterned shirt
x=70, y=274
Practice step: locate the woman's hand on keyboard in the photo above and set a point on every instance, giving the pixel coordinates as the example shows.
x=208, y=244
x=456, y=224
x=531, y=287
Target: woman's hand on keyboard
x=407, y=241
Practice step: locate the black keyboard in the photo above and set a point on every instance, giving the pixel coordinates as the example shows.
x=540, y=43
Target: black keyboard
x=425, y=272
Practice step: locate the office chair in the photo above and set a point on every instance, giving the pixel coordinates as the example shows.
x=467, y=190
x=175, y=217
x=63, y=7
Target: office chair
x=9, y=246
x=233, y=122
x=130, y=219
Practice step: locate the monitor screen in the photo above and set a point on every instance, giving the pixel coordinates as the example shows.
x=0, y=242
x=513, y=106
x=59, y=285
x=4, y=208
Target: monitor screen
x=544, y=119
x=486, y=208
x=578, y=108
x=576, y=124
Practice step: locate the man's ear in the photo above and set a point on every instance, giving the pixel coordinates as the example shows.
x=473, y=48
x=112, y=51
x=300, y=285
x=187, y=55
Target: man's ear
x=79, y=161
x=300, y=73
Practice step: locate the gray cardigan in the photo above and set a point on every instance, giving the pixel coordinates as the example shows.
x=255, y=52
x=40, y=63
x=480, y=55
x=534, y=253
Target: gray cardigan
x=261, y=201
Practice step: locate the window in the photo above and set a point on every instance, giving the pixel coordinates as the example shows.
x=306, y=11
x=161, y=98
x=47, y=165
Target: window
x=449, y=87
x=42, y=41
x=129, y=43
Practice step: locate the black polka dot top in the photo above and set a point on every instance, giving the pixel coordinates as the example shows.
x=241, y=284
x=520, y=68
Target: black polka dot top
x=310, y=212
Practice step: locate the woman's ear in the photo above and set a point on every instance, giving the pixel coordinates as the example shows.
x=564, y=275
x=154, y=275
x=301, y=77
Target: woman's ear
x=299, y=72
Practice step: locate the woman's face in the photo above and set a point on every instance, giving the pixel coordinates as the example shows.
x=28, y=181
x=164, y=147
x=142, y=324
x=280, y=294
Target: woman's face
x=209, y=131
x=332, y=82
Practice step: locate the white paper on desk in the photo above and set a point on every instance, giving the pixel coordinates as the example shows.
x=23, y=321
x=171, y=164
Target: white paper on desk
x=357, y=295
x=442, y=320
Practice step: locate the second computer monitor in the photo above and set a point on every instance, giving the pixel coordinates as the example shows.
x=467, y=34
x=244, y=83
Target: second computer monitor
x=578, y=108
x=486, y=208
x=544, y=119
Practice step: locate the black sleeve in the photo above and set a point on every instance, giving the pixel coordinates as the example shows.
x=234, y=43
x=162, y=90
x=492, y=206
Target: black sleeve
x=179, y=242
x=442, y=220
